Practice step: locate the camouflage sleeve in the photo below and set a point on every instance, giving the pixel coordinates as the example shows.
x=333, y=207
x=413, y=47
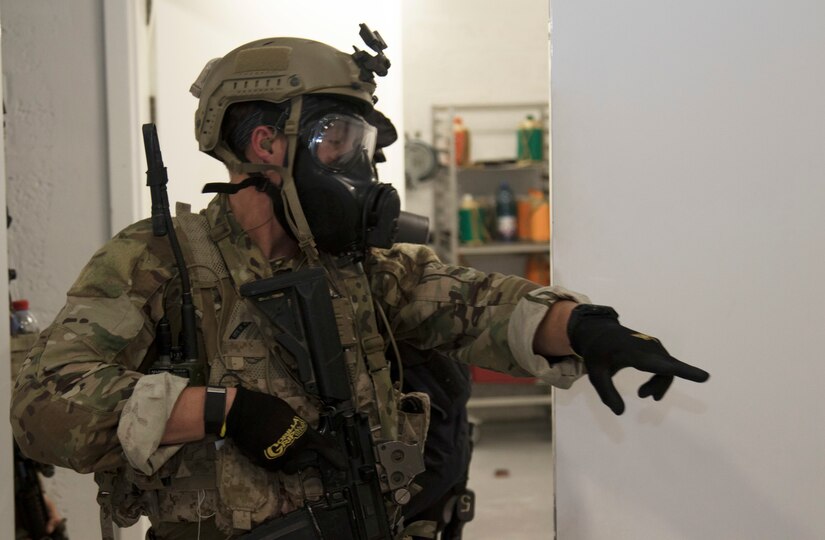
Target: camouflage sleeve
x=70, y=392
x=143, y=421
x=488, y=320
x=524, y=322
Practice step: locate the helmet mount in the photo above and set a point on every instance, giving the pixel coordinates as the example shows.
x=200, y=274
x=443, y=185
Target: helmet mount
x=371, y=65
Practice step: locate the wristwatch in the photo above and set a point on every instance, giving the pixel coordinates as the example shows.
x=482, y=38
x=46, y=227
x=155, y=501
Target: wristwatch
x=214, y=409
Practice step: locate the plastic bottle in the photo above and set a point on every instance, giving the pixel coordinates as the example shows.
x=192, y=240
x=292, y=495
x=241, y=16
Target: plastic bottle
x=14, y=324
x=530, y=146
x=506, y=220
x=525, y=217
x=538, y=269
x=469, y=221
x=461, y=139
x=539, y=216
x=25, y=321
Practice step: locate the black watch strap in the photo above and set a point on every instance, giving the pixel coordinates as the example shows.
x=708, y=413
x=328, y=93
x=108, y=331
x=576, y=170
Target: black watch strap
x=214, y=409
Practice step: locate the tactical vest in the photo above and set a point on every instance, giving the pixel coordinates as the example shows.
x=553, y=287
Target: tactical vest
x=206, y=479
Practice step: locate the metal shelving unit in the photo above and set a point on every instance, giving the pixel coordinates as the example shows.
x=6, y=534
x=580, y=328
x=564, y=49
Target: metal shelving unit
x=503, y=248
x=493, y=159
x=493, y=150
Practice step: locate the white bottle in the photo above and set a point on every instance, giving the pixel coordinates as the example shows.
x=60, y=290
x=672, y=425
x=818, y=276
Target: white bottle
x=506, y=213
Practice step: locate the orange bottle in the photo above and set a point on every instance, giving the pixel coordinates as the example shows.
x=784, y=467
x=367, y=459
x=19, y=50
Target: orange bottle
x=524, y=211
x=461, y=140
x=538, y=269
x=540, y=216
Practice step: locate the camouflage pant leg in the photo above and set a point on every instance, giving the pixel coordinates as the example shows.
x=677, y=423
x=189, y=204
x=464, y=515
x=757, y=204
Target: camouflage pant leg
x=186, y=531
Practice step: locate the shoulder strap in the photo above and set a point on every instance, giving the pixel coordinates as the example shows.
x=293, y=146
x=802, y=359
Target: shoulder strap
x=206, y=265
x=355, y=285
x=207, y=271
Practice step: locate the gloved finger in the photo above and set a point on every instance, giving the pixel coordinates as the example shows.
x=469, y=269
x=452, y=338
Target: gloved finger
x=656, y=387
x=666, y=365
x=603, y=384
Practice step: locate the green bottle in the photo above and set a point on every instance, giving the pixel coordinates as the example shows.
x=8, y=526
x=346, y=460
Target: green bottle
x=530, y=145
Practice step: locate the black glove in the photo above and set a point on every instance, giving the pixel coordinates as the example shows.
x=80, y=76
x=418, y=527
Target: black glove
x=272, y=435
x=606, y=347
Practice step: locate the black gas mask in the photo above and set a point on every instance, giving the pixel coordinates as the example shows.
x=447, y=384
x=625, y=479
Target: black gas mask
x=346, y=207
x=348, y=211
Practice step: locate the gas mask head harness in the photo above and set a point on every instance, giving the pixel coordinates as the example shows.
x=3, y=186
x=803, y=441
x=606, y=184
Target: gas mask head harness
x=321, y=100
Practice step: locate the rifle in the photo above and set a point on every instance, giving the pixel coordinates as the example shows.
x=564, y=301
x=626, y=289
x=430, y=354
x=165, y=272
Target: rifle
x=32, y=513
x=353, y=507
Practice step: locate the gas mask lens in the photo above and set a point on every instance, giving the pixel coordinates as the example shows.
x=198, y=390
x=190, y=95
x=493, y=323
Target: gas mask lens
x=337, y=141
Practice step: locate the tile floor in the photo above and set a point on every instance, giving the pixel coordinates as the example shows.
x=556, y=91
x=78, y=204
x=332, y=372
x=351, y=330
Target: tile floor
x=512, y=476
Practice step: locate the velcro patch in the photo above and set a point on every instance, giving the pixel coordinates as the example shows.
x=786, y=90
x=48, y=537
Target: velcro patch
x=263, y=59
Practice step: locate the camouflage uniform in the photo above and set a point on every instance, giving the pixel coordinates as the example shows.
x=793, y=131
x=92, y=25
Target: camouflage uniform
x=81, y=400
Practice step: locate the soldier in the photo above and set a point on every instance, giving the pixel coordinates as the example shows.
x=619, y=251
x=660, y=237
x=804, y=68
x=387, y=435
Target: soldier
x=250, y=443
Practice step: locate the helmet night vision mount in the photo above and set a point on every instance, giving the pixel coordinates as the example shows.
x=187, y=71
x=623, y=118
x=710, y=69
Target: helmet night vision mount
x=378, y=64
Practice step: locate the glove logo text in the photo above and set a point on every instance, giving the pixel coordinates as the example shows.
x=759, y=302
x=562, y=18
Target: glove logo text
x=292, y=434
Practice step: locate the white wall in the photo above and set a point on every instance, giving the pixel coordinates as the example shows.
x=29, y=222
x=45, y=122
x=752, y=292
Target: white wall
x=126, y=34
x=188, y=33
x=688, y=192
x=55, y=144
x=53, y=67
x=470, y=52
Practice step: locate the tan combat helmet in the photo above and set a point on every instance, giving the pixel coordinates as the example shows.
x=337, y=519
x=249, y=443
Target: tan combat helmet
x=277, y=70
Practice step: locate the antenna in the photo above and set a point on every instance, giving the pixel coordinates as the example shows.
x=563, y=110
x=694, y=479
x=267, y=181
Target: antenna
x=156, y=179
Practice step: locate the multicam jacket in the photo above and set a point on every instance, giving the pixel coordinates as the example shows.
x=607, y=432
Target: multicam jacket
x=82, y=399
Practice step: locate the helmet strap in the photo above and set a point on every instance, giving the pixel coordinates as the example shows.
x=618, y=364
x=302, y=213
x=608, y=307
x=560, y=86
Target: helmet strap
x=295, y=217
x=289, y=193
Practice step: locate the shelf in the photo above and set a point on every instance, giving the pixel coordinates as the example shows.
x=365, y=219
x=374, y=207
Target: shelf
x=493, y=142
x=491, y=163
x=462, y=107
x=503, y=166
x=509, y=401
x=504, y=248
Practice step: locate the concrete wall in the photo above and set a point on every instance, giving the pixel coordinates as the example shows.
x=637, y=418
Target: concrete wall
x=55, y=172
x=688, y=192
x=56, y=144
